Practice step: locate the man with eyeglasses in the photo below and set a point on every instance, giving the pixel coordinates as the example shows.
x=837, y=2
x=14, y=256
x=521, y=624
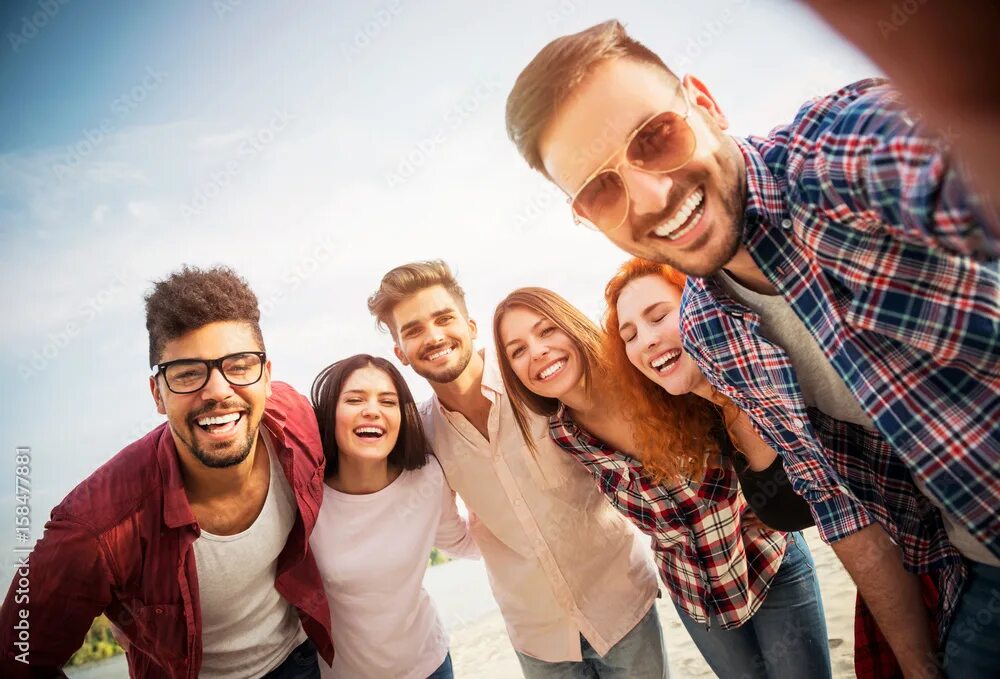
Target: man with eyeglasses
x=841, y=286
x=193, y=540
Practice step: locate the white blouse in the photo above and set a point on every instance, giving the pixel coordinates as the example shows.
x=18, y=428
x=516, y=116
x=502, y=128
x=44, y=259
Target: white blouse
x=372, y=551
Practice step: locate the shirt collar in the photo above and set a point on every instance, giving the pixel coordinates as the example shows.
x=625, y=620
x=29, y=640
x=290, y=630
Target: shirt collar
x=176, y=508
x=765, y=199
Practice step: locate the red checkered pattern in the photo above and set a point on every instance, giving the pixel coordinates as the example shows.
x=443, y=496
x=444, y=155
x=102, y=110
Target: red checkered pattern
x=709, y=563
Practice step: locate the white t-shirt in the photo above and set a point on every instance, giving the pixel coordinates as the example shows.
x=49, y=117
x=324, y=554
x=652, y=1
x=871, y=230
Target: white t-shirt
x=823, y=388
x=247, y=628
x=372, y=551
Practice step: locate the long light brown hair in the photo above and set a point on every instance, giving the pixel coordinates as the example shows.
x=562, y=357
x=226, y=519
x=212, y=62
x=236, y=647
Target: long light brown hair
x=688, y=422
x=583, y=332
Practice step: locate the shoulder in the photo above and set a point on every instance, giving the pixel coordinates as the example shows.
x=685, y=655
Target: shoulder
x=120, y=487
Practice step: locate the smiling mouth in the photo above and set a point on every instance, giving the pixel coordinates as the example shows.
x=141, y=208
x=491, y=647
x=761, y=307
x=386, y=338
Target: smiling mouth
x=551, y=370
x=665, y=362
x=220, y=424
x=438, y=353
x=370, y=432
x=685, y=218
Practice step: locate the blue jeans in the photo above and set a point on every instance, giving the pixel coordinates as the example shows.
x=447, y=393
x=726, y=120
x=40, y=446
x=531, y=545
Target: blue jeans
x=639, y=655
x=444, y=671
x=301, y=663
x=785, y=638
x=971, y=648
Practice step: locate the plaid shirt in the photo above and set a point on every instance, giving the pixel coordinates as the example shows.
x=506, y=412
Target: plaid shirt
x=860, y=223
x=866, y=233
x=710, y=565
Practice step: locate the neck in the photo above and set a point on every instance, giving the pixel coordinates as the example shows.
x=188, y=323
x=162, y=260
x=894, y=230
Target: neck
x=360, y=476
x=205, y=483
x=464, y=394
x=586, y=405
x=746, y=272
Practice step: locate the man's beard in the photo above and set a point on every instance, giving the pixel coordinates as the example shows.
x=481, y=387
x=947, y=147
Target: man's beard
x=230, y=460
x=446, y=375
x=700, y=261
x=207, y=456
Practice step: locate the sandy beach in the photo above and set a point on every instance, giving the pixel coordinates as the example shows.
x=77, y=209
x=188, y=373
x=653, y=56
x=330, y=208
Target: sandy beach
x=481, y=649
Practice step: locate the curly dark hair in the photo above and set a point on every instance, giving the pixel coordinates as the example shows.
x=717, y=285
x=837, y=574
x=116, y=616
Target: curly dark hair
x=192, y=297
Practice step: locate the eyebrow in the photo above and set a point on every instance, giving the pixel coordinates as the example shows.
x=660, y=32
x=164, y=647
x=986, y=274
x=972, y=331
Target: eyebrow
x=362, y=391
x=517, y=339
x=434, y=314
x=621, y=326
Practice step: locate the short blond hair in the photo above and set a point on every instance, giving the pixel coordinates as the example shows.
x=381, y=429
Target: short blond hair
x=407, y=280
x=555, y=72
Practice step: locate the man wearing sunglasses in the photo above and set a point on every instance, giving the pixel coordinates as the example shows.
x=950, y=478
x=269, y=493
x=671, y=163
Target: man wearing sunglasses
x=841, y=286
x=193, y=540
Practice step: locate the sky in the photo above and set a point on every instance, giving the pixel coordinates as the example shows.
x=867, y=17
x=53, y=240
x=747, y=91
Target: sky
x=311, y=147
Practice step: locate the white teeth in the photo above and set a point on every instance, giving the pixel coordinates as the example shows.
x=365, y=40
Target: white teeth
x=552, y=370
x=666, y=358
x=222, y=419
x=438, y=354
x=369, y=430
x=692, y=204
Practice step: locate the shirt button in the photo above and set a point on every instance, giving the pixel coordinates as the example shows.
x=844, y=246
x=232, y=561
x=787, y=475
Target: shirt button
x=159, y=611
x=517, y=503
x=786, y=224
x=798, y=423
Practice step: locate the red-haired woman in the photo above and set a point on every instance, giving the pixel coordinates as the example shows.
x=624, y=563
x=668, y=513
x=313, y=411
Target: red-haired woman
x=747, y=593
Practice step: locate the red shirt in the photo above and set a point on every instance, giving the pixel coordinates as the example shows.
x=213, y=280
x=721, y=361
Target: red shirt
x=121, y=544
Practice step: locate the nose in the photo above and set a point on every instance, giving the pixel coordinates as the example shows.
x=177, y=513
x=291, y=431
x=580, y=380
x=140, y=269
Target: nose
x=217, y=388
x=369, y=410
x=646, y=337
x=539, y=350
x=649, y=192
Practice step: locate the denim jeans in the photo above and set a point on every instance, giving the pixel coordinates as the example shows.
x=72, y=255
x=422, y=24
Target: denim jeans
x=301, y=663
x=785, y=638
x=444, y=671
x=972, y=648
x=640, y=654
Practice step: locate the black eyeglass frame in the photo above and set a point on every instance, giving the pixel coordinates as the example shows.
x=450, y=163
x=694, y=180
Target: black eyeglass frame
x=161, y=369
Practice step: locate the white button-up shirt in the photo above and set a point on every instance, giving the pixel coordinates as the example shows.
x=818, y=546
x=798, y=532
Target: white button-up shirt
x=561, y=560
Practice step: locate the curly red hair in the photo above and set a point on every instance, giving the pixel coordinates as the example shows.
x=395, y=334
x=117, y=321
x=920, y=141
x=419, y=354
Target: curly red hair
x=677, y=434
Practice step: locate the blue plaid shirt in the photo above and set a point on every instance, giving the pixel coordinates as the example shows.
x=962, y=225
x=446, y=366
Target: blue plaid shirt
x=859, y=221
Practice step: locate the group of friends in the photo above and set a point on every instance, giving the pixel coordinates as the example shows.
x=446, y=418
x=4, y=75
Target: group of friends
x=808, y=334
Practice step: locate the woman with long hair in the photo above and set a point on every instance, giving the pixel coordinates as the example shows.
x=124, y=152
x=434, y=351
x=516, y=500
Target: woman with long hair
x=746, y=593
x=385, y=504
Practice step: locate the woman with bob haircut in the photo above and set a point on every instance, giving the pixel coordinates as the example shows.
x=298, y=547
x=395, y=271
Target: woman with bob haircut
x=746, y=593
x=385, y=504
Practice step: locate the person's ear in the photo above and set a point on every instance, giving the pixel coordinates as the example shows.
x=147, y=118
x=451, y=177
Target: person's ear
x=267, y=378
x=399, y=354
x=473, y=329
x=699, y=96
x=154, y=388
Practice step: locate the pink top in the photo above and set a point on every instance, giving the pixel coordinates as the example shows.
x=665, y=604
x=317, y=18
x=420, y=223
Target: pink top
x=372, y=551
x=562, y=561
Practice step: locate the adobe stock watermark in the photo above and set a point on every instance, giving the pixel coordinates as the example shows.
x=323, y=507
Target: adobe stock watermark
x=898, y=16
x=423, y=150
x=55, y=342
x=703, y=37
x=33, y=24
x=22, y=552
x=374, y=26
x=121, y=107
x=249, y=148
x=318, y=256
